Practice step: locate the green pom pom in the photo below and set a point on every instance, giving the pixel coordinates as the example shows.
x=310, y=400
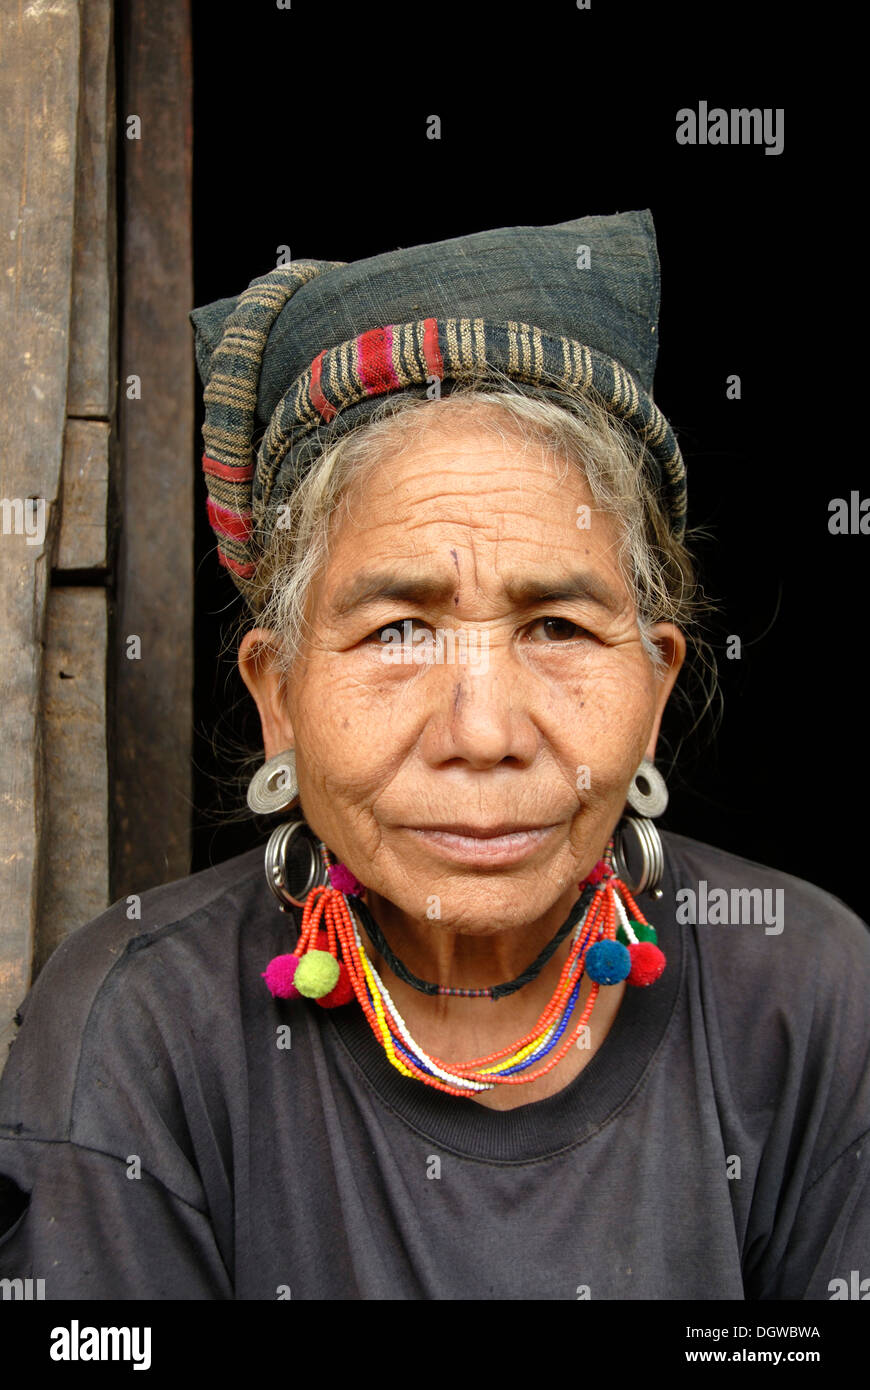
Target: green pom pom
x=316, y=974
x=642, y=931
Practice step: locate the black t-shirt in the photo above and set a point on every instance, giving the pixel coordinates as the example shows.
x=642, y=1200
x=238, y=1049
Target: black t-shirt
x=182, y=1134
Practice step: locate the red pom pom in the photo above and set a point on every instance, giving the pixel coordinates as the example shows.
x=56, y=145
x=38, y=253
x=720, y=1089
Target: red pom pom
x=647, y=963
x=279, y=977
x=342, y=993
x=341, y=878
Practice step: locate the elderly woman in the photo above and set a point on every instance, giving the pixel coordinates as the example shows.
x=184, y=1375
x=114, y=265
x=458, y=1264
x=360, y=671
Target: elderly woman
x=481, y=1032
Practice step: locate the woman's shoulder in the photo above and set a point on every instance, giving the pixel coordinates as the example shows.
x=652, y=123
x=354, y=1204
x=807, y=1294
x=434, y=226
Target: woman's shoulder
x=781, y=967
x=776, y=983
x=150, y=964
x=147, y=921
x=775, y=950
x=714, y=886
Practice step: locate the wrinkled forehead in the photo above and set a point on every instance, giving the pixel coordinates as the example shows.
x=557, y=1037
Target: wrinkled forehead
x=467, y=506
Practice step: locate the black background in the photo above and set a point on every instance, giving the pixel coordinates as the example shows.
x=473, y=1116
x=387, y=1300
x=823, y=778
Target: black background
x=310, y=131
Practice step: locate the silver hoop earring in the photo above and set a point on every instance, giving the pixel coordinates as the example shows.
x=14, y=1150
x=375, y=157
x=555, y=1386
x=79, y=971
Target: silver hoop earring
x=274, y=786
x=636, y=840
x=295, y=863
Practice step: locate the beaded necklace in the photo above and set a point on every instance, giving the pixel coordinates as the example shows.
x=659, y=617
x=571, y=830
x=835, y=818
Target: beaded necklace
x=330, y=966
x=399, y=969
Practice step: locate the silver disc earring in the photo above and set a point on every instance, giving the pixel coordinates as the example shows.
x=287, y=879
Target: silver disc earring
x=648, y=793
x=295, y=863
x=274, y=786
x=637, y=838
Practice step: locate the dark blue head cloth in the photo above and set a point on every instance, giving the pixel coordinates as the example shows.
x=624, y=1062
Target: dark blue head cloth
x=572, y=305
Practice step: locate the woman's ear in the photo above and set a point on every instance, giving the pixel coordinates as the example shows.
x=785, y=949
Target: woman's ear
x=264, y=679
x=672, y=646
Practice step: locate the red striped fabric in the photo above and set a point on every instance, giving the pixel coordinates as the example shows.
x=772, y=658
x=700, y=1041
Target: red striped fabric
x=431, y=350
x=229, y=471
x=374, y=357
x=245, y=571
x=227, y=523
x=327, y=410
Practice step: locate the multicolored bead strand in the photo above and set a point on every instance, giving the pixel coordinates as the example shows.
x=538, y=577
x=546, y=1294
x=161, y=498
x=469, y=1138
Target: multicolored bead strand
x=607, y=945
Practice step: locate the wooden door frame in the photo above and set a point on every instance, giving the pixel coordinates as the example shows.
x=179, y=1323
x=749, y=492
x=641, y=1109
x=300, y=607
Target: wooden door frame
x=95, y=776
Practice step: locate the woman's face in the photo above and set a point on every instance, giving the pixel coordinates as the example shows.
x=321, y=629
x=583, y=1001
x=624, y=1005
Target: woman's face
x=540, y=726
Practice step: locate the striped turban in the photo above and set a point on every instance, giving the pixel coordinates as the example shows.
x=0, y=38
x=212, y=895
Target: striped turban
x=570, y=306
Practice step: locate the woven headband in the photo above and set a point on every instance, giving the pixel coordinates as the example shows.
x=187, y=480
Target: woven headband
x=254, y=353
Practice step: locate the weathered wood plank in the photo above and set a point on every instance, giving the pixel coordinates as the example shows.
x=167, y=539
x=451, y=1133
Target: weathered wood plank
x=39, y=79
x=93, y=368
x=153, y=695
x=74, y=882
x=83, y=541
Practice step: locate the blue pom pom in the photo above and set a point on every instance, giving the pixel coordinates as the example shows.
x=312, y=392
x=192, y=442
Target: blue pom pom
x=608, y=962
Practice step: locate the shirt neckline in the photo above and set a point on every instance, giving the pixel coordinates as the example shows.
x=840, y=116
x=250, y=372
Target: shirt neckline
x=540, y=1128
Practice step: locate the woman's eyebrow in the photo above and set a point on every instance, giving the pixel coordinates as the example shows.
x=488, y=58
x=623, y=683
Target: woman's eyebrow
x=375, y=587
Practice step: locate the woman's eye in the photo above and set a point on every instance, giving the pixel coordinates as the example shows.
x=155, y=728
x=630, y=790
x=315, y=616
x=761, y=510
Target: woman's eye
x=557, y=629
x=399, y=630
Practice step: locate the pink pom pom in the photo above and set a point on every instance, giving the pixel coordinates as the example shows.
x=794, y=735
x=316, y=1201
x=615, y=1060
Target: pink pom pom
x=647, y=963
x=342, y=993
x=279, y=977
x=341, y=878
x=599, y=872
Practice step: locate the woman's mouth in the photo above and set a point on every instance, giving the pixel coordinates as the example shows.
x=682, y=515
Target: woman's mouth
x=484, y=845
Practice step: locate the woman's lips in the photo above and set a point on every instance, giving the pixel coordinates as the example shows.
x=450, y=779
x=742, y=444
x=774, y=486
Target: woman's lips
x=483, y=847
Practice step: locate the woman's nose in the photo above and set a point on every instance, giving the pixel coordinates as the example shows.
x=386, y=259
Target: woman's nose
x=481, y=711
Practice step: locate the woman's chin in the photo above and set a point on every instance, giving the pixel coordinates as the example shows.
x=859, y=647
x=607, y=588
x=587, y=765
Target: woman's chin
x=476, y=896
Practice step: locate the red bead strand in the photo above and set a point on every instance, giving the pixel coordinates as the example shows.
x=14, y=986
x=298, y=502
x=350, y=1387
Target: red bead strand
x=602, y=903
x=327, y=923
